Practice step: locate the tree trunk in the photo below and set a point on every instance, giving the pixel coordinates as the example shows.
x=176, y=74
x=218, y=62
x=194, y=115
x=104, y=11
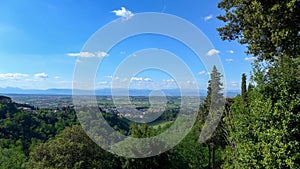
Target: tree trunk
x=213, y=156
x=209, y=156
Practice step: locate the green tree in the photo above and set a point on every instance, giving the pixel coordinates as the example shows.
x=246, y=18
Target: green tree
x=265, y=128
x=244, y=86
x=267, y=27
x=71, y=149
x=250, y=87
x=189, y=153
x=211, y=111
x=12, y=158
x=158, y=161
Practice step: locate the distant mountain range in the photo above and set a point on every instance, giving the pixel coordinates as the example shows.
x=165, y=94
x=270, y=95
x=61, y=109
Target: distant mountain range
x=108, y=92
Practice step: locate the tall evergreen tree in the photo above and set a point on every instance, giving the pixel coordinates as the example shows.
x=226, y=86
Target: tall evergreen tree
x=212, y=110
x=250, y=87
x=244, y=86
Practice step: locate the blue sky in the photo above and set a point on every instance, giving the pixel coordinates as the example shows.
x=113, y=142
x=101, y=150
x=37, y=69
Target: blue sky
x=41, y=41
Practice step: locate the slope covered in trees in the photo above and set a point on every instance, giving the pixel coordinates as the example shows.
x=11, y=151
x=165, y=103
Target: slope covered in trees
x=265, y=126
x=53, y=139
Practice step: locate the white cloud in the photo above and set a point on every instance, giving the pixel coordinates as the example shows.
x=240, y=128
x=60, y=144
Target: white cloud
x=249, y=58
x=138, y=83
x=103, y=82
x=102, y=54
x=230, y=51
x=147, y=79
x=168, y=84
x=190, y=82
x=168, y=80
x=41, y=75
x=73, y=54
x=88, y=54
x=123, y=12
x=56, y=77
x=12, y=76
x=208, y=17
x=203, y=72
x=229, y=60
x=124, y=80
x=212, y=52
x=136, y=79
x=234, y=84
x=109, y=77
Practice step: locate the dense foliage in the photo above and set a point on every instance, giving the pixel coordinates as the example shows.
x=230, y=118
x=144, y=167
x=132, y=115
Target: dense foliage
x=72, y=148
x=264, y=128
x=268, y=28
x=52, y=139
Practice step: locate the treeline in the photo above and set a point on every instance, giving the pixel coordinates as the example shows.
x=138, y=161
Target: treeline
x=252, y=132
x=48, y=139
x=54, y=139
x=21, y=130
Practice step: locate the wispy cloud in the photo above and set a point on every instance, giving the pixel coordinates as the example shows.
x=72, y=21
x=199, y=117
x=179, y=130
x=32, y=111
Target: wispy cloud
x=12, y=76
x=124, y=13
x=229, y=60
x=190, y=82
x=168, y=84
x=73, y=54
x=249, y=58
x=147, y=79
x=102, y=54
x=103, y=82
x=88, y=54
x=109, y=77
x=124, y=80
x=203, y=72
x=135, y=82
x=168, y=80
x=234, y=84
x=42, y=75
x=212, y=52
x=230, y=51
x=208, y=17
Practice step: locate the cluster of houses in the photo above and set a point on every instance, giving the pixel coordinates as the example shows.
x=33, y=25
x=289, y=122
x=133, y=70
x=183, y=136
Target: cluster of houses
x=132, y=112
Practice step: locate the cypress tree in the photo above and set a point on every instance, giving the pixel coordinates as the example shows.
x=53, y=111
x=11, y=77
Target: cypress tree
x=244, y=86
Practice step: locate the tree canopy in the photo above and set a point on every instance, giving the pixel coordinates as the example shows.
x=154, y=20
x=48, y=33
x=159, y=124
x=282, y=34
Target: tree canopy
x=268, y=28
x=265, y=127
x=71, y=149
